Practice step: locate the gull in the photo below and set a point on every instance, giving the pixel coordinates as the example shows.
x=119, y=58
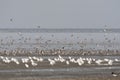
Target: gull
x=30, y=58
x=56, y=59
x=61, y=59
x=35, y=58
x=15, y=60
x=80, y=61
x=89, y=60
x=110, y=62
x=25, y=60
x=72, y=60
x=6, y=60
x=98, y=61
x=1, y=57
x=117, y=60
x=40, y=59
x=33, y=63
x=93, y=59
x=67, y=62
x=26, y=65
x=106, y=59
x=52, y=62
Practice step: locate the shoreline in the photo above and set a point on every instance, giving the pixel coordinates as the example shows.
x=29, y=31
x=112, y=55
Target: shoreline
x=62, y=52
x=59, y=78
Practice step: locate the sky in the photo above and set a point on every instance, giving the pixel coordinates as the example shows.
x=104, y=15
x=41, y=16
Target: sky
x=59, y=13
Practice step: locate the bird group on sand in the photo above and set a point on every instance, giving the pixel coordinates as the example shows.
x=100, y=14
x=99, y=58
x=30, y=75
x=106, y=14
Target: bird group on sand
x=34, y=61
x=115, y=74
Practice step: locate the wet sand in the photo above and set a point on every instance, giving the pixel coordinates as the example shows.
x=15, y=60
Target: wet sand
x=80, y=78
x=60, y=71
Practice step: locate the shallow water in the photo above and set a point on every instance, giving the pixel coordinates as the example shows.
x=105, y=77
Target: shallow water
x=66, y=71
x=58, y=40
x=63, y=72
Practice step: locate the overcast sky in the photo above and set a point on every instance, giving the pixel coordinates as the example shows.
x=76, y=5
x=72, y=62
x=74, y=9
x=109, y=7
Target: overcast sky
x=59, y=13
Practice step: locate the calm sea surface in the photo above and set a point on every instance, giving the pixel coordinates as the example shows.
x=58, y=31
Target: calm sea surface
x=72, y=30
x=57, y=38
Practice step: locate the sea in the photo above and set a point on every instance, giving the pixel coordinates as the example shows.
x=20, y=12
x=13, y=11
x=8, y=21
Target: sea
x=72, y=38
x=56, y=39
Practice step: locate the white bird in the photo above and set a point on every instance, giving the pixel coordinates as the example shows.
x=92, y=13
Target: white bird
x=106, y=59
x=61, y=59
x=6, y=60
x=34, y=57
x=110, y=62
x=94, y=59
x=33, y=63
x=89, y=60
x=80, y=61
x=38, y=59
x=99, y=61
x=117, y=60
x=1, y=57
x=41, y=59
x=26, y=65
x=52, y=62
x=59, y=56
x=25, y=60
x=15, y=60
x=72, y=60
x=67, y=62
x=30, y=58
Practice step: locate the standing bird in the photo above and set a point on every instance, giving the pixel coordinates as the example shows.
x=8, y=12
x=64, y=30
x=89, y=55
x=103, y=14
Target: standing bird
x=67, y=62
x=115, y=74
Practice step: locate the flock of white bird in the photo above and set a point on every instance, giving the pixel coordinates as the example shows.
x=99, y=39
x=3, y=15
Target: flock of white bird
x=27, y=61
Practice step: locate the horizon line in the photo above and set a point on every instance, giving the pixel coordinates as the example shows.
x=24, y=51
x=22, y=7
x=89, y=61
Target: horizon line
x=60, y=30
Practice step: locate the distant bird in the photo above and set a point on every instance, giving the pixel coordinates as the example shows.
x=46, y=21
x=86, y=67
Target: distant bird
x=99, y=61
x=115, y=74
x=15, y=60
x=72, y=35
x=52, y=62
x=63, y=47
x=67, y=62
x=110, y=62
x=26, y=65
x=105, y=25
x=11, y=19
x=116, y=60
x=52, y=35
x=38, y=26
